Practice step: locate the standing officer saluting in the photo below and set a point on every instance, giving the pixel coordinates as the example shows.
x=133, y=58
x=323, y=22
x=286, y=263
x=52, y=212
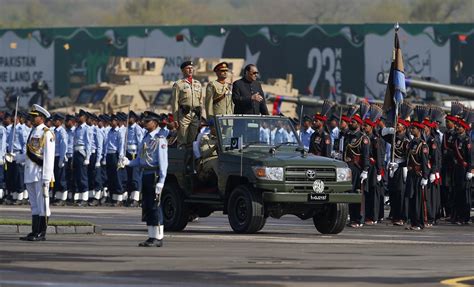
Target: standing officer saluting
x=187, y=105
x=152, y=158
x=218, y=93
x=39, y=172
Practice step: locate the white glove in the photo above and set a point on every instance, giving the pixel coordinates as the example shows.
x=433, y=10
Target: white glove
x=379, y=177
x=45, y=188
x=97, y=164
x=388, y=131
x=10, y=157
x=392, y=168
x=468, y=176
x=66, y=159
x=103, y=162
x=2, y=161
x=424, y=182
x=432, y=177
x=86, y=162
x=405, y=173
x=158, y=190
x=363, y=176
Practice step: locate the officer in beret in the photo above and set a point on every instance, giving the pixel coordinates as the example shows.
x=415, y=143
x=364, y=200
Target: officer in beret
x=39, y=172
x=187, y=105
x=219, y=93
x=60, y=134
x=152, y=159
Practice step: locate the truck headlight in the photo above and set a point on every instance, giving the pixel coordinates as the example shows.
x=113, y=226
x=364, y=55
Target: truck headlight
x=343, y=174
x=268, y=173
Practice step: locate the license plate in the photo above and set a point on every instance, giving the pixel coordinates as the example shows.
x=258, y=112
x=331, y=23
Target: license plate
x=318, y=197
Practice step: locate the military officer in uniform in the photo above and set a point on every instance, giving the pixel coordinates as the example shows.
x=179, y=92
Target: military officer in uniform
x=71, y=184
x=3, y=149
x=95, y=169
x=81, y=159
x=306, y=132
x=187, y=105
x=152, y=158
x=39, y=172
x=134, y=137
x=208, y=151
x=219, y=93
x=320, y=140
x=356, y=154
x=418, y=171
x=463, y=169
x=114, y=149
x=398, y=170
x=60, y=134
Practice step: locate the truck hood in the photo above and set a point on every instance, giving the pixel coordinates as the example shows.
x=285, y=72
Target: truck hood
x=285, y=158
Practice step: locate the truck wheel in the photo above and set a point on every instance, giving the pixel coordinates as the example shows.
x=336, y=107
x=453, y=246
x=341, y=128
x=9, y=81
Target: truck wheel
x=245, y=210
x=175, y=211
x=331, y=219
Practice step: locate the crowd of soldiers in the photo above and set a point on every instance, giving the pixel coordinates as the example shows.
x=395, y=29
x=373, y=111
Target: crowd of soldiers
x=88, y=148
x=121, y=159
x=426, y=176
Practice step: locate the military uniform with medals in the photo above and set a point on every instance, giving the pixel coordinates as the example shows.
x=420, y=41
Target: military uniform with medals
x=219, y=95
x=320, y=143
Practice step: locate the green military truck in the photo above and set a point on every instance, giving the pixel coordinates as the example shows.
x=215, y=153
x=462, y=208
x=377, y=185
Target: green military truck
x=263, y=171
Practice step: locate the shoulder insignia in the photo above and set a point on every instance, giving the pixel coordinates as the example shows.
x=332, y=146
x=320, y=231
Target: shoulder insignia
x=366, y=140
x=425, y=150
x=328, y=141
x=434, y=146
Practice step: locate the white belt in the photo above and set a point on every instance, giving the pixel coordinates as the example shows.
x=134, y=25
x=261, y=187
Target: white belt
x=399, y=160
x=132, y=147
x=79, y=148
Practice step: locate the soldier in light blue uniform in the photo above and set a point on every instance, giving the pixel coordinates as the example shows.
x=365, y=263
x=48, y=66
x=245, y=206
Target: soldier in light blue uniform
x=16, y=145
x=153, y=160
x=281, y=135
x=104, y=126
x=134, y=137
x=70, y=183
x=3, y=150
x=81, y=159
x=61, y=140
x=94, y=170
x=306, y=131
x=114, y=149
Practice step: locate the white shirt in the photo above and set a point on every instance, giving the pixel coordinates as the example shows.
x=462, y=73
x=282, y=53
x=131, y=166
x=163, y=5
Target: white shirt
x=34, y=172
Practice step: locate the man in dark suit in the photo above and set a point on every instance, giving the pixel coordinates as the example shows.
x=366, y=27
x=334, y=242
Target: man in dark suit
x=247, y=93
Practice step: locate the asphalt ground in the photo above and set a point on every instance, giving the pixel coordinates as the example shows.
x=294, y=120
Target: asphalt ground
x=287, y=252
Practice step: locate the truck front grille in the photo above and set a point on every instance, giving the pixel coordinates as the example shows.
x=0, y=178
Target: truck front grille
x=298, y=174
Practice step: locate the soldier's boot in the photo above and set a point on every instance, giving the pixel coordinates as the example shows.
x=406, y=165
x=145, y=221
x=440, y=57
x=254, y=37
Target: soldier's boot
x=152, y=241
x=43, y=225
x=134, y=199
x=35, y=228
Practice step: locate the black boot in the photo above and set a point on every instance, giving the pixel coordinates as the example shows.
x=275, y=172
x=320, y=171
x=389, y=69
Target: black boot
x=151, y=242
x=43, y=225
x=35, y=228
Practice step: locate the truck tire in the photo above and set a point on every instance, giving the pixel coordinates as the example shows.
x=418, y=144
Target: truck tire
x=331, y=219
x=175, y=211
x=245, y=210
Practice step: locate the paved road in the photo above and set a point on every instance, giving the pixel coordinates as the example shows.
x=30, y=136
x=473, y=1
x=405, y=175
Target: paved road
x=288, y=252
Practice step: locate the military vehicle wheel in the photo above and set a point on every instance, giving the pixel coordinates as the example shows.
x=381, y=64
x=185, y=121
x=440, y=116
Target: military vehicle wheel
x=245, y=210
x=175, y=211
x=331, y=218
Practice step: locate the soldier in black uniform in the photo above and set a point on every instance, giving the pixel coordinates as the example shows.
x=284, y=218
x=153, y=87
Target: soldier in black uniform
x=356, y=154
x=447, y=149
x=397, y=170
x=320, y=141
x=463, y=169
x=433, y=141
x=376, y=169
x=418, y=171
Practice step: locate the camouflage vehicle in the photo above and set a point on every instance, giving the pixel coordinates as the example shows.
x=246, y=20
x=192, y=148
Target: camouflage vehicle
x=258, y=179
x=132, y=82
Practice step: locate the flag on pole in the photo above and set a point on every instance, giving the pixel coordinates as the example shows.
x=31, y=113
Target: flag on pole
x=396, y=89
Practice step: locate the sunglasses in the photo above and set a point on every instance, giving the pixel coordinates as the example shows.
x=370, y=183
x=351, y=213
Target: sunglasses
x=254, y=73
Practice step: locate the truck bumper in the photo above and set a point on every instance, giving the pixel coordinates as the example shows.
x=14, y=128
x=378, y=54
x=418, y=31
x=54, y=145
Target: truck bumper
x=305, y=198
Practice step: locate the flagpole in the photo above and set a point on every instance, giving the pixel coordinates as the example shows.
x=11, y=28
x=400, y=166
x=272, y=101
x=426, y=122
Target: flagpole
x=396, y=103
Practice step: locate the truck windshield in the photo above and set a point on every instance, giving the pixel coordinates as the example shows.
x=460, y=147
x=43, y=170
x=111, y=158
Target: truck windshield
x=91, y=96
x=258, y=131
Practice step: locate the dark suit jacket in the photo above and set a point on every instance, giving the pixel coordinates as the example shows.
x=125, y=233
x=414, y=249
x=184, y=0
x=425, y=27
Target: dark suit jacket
x=242, y=91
